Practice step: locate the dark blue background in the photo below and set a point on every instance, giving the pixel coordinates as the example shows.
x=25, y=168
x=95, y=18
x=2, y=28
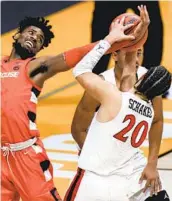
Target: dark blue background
x=14, y=11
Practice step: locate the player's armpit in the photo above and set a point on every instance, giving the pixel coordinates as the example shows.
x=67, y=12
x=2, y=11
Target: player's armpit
x=54, y=65
x=42, y=68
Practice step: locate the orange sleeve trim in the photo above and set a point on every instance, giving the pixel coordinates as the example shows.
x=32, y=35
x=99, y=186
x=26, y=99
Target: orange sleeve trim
x=73, y=56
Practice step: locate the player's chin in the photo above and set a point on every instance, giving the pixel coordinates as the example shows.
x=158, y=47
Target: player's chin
x=29, y=49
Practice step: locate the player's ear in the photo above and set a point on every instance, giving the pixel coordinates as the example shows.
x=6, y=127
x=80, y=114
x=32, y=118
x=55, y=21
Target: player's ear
x=16, y=36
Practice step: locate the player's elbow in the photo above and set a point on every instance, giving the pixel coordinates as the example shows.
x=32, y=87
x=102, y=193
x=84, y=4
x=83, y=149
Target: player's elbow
x=159, y=119
x=158, y=123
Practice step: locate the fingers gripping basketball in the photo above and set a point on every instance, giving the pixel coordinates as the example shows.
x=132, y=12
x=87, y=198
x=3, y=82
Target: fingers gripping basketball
x=130, y=18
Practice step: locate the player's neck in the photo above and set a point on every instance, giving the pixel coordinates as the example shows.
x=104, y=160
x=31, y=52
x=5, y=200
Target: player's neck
x=125, y=78
x=120, y=73
x=127, y=82
x=13, y=55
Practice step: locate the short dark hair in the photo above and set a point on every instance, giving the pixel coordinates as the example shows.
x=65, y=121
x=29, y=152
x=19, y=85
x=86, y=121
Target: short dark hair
x=156, y=82
x=39, y=22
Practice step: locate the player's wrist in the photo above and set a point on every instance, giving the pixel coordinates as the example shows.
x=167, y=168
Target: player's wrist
x=153, y=161
x=110, y=39
x=91, y=59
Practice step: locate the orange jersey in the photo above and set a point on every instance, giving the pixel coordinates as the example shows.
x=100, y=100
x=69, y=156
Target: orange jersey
x=18, y=102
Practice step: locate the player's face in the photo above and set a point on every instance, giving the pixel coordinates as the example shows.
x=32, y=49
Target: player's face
x=31, y=39
x=139, y=57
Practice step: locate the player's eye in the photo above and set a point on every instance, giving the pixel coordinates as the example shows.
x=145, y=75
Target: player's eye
x=31, y=32
x=139, y=54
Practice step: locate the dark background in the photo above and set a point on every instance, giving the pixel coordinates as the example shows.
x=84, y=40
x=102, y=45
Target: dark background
x=10, y=19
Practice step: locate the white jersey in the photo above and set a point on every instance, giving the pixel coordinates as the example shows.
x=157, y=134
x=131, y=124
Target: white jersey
x=112, y=146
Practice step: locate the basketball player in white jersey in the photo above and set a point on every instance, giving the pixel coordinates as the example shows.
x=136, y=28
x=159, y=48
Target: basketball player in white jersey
x=88, y=105
x=107, y=171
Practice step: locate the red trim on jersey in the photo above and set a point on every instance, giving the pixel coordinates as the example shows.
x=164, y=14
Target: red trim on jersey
x=73, y=189
x=77, y=185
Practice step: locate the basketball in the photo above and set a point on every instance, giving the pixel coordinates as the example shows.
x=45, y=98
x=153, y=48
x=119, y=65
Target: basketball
x=134, y=44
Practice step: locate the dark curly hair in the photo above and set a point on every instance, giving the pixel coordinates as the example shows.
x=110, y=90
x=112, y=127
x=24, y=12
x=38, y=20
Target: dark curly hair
x=156, y=82
x=39, y=22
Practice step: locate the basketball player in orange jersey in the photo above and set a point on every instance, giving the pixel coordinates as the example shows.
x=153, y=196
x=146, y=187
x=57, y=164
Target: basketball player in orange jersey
x=110, y=163
x=26, y=169
x=86, y=108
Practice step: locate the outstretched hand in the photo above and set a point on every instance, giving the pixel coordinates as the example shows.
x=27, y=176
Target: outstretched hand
x=142, y=27
x=117, y=32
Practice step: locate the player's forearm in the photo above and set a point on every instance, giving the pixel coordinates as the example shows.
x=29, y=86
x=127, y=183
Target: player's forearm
x=155, y=136
x=83, y=71
x=73, y=56
x=80, y=124
x=62, y=62
x=69, y=59
x=89, y=61
x=79, y=130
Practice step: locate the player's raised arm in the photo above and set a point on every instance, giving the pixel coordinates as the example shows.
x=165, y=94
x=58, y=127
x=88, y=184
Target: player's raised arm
x=95, y=86
x=48, y=66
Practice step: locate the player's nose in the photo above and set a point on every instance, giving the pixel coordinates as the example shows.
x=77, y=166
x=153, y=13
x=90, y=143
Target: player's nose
x=33, y=38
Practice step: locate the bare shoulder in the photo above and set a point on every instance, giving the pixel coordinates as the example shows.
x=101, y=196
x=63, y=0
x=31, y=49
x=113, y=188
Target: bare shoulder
x=110, y=107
